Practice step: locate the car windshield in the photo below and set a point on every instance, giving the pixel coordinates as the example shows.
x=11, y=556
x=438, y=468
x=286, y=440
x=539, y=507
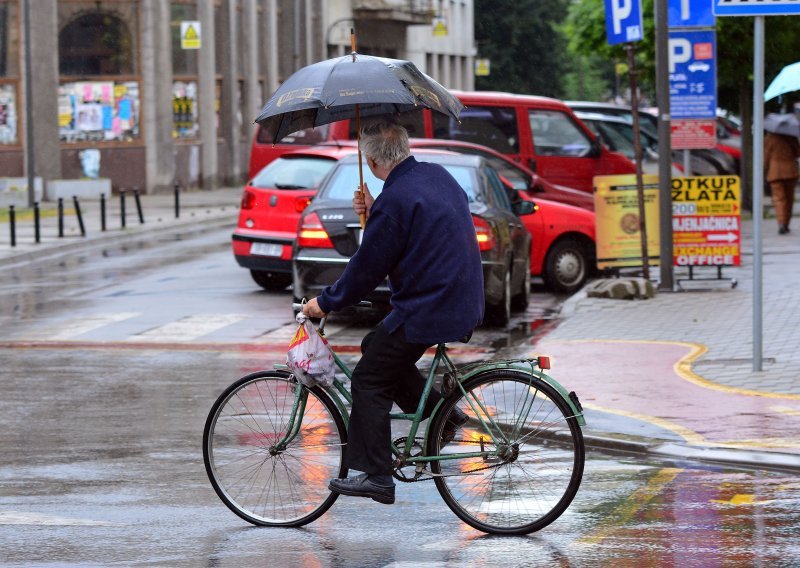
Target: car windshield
x=344, y=181
x=293, y=173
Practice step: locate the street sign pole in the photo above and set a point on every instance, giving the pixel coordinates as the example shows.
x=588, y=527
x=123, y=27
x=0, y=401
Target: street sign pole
x=637, y=152
x=758, y=185
x=665, y=147
x=29, y=145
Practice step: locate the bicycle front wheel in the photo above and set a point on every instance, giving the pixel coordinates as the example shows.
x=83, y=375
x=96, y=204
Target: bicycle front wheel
x=259, y=469
x=538, y=446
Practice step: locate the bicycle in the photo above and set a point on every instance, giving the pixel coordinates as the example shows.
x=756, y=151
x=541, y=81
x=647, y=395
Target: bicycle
x=271, y=444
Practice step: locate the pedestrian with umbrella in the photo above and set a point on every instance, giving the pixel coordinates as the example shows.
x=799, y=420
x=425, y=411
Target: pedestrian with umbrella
x=781, y=152
x=420, y=235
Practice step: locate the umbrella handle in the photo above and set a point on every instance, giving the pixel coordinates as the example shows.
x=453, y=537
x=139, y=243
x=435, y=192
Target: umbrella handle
x=363, y=216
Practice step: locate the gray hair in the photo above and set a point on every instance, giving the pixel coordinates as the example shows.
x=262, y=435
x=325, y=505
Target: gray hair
x=386, y=142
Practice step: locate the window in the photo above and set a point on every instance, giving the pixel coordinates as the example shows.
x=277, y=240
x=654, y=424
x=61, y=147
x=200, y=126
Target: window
x=9, y=73
x=185, y=121
x=555, y=134
x=495, y=127
x=99, y=95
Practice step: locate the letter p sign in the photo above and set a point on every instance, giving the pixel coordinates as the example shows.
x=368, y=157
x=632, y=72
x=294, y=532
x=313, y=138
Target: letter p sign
x=623, y=20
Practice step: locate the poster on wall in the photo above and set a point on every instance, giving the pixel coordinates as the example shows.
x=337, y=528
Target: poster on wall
x=98, y=111
x=8, y=115
x=185, y=123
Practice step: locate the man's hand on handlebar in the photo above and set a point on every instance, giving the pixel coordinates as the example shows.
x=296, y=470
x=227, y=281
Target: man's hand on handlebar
x=311, y=309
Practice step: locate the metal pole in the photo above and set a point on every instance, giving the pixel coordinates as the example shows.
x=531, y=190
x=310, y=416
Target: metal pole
x=758, y=182
x=12, y=219
x=60, y=217
x=138, y=205
x=122, y=208
x=687, y=163
x=177, y=200
x=637, y=152
x=29, y=144
x=78, y=213
x=102, y=211
x=664, y=147
x=36, y=232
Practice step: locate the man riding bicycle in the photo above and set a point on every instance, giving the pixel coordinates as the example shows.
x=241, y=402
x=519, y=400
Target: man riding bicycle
x=421, y=235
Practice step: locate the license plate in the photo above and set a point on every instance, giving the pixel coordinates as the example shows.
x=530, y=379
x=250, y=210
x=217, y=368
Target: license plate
x=266, y=249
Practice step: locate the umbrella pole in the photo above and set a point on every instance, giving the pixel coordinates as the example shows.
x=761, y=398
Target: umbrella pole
x=363, y=217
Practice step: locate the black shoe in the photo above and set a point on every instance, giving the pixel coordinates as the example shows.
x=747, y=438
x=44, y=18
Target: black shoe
x=456, y=420
x=361, y=486
x=783, y=229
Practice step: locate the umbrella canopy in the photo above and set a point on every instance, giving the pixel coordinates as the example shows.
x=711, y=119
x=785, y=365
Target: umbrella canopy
x=787, y=124
x=788, y=80
x=339, y=88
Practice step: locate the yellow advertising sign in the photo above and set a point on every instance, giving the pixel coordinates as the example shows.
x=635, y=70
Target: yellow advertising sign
x=616, y=208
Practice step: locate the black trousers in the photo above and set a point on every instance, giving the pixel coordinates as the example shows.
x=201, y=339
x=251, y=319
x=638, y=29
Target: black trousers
x=386, y=374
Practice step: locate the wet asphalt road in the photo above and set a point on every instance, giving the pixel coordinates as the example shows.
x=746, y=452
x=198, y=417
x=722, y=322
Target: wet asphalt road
x=102, y=417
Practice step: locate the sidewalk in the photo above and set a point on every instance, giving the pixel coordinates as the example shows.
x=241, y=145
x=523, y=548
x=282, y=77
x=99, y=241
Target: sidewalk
x=198, y=210
x=673, y=376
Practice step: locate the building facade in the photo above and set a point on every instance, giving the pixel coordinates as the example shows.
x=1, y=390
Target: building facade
x=167, y=90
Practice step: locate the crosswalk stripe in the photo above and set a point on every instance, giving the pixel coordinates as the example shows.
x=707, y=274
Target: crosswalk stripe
x=79, y=326
x=188, y=328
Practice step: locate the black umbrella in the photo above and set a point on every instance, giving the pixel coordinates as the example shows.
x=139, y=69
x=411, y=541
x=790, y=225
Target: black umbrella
x=351, y=86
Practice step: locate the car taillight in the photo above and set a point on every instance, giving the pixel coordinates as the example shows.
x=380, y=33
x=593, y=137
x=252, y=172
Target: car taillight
x=484, y=234
x=248, y=199
x=312, y=234
x=300, y=203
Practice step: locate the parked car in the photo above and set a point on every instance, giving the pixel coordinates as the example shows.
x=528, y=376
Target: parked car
x=539, y=132
x=720, y=160
x=270, y=209
x=617, y=134
x=329, y=232
x=518, y=176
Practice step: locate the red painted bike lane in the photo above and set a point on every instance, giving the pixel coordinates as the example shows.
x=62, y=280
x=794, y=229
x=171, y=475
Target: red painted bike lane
x=654, y=382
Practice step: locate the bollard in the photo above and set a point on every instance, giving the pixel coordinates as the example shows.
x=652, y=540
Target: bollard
x=138, y=205
x=36, y=234
x=60, y=217
x=177, y=200
x=122, y=207
x=102, y=211
x=78, y=213
x=12, y=219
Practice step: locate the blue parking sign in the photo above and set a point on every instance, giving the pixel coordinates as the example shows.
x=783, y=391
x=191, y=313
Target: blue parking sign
x=623, y=21
x=692, y=74
x=690, y=13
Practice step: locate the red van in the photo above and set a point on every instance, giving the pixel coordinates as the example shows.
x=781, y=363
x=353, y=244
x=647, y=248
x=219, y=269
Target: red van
x=540, y=132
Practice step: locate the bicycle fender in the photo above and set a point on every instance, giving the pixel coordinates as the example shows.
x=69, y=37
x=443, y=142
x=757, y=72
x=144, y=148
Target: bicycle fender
x=527, y=367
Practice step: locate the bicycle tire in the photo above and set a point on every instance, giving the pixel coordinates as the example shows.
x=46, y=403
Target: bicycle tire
x=515, y=495
x=287, y=488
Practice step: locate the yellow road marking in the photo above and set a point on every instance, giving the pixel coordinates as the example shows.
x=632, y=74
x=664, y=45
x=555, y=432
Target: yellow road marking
x=739, y=499
x=690, y=436
x=785, y=410
x=683, y=368
x=632, y=505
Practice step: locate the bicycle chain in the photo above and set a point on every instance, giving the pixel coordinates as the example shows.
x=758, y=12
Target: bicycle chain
x=430, y=476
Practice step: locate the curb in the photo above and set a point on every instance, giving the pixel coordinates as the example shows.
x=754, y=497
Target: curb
x=186, y=227
x=732, y=457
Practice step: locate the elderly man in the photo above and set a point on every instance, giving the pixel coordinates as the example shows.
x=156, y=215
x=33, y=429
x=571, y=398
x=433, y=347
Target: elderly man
x=419, y=233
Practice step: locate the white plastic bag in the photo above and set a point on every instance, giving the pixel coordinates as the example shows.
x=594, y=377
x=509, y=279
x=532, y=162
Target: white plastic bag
x=309, y=356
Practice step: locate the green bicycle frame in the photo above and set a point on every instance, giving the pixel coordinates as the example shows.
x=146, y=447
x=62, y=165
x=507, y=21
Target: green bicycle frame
x=342, y=397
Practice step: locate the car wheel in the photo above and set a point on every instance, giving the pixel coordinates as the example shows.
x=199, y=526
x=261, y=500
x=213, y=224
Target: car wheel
x=566, y=266
x=272, y=281
x=499, y=314
x=521, y=299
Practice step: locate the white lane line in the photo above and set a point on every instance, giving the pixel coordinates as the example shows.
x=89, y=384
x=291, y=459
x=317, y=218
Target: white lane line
x=188, y=328
x=72, y=328
x=21, y=518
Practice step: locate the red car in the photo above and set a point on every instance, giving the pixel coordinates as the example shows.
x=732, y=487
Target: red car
x=270, y=209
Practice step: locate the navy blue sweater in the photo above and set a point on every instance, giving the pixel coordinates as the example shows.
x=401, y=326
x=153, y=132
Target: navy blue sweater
x=420, y=233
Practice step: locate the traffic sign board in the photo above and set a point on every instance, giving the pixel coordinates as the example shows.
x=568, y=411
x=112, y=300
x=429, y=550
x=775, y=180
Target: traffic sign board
x=623, y=21
x=690, y=14
x=756, y=7
x=692, y=74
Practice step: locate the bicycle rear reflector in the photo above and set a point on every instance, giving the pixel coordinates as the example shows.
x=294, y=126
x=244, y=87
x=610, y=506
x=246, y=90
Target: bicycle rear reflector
x=543, y=362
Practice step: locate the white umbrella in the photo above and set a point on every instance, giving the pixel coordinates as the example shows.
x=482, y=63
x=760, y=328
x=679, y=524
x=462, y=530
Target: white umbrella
x=787, y=124
x=788, y=80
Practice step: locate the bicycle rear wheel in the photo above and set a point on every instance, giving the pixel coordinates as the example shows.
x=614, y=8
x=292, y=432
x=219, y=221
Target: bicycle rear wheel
x=258, y=480
x=540, y=453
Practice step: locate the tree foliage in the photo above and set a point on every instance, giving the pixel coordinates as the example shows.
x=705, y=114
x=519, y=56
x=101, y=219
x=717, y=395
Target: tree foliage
x=523, y=41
